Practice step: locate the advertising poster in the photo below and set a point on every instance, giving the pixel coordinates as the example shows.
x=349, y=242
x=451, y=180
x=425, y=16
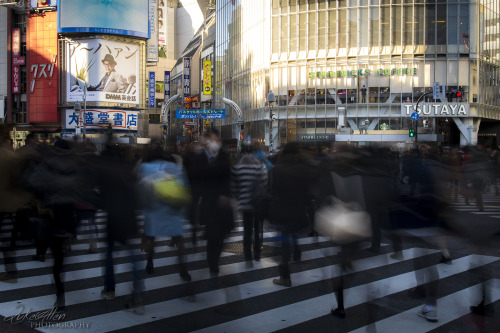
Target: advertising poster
x=207, y=77
x=162, y=23
x=109, y=69
x=101, y=118
x=152, y=48
x=151, y=98
x=120, y=17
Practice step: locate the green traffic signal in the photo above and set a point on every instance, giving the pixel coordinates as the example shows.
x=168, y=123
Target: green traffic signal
x=411, y=133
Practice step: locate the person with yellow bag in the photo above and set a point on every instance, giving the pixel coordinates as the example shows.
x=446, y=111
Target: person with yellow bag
x=165, y=194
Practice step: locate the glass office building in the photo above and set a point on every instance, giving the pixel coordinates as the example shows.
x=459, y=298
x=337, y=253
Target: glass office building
x=354, y=70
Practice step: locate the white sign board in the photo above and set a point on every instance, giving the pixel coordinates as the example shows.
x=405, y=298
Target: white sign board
x=101, y=118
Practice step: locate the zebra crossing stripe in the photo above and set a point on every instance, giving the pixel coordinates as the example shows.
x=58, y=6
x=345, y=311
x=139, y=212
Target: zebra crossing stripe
x=449, y=308
x=167, y=309
x=43, y=302
x=279, y=318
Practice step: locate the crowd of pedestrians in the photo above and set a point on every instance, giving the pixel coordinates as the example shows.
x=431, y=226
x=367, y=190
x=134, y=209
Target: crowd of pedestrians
x=49, y=190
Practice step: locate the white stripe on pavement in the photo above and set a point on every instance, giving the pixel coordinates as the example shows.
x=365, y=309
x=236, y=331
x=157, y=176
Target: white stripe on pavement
x=449, y=308
x=122, y=319
x=279, y=318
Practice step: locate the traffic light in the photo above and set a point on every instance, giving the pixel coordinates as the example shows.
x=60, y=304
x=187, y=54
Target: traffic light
x=411, y=133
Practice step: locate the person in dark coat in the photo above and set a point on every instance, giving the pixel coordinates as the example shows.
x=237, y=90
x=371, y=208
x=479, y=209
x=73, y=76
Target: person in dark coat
x=118, y=188
x=211, y=175
x=291, y=193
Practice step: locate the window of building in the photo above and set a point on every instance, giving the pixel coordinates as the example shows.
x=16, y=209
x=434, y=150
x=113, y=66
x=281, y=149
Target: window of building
x=302, y=31
x=275, y=34
x=408, y=25
x=452, y=24
x=312, y=31
x=322, y=30
x=430, y=24
x=293, y=33
x=385, y=25
x=353, y=27
x=396, y=25
x=385, y=92
x=419, y=25
x=363, y=27
x=332, y=29
x=284, y=34
x=342, y=28
x=441, y=25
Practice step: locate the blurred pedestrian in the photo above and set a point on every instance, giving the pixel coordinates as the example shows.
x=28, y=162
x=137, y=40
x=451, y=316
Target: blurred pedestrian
x=161, y=218
x=291, y=194
x=117, y=183
x=211, y=171
x=249, y=185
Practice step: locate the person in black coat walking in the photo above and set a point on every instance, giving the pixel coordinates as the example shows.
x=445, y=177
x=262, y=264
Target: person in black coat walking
x=211, y=175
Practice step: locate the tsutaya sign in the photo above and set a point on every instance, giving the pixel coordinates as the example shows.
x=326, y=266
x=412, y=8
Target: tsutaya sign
x=362, y=72
x=437, y=109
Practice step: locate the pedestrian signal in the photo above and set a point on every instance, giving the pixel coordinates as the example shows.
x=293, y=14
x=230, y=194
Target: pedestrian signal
x=411, y=133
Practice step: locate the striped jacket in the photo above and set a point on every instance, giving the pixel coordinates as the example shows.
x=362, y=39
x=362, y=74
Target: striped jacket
x=248, y=170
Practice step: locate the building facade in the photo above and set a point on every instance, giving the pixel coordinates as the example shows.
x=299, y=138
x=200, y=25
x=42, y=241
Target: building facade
x=354, y=70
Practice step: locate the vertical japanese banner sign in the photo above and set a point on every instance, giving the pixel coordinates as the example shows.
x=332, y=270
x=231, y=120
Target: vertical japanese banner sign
x=186, y=78
x=15, y=53
x=152, y=89
x=162, y=23
x=207, y=77
x=152, y=45
x=166, y=81
x=167, y=85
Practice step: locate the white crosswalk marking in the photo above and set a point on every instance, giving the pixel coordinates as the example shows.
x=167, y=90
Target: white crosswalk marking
x=238, y=283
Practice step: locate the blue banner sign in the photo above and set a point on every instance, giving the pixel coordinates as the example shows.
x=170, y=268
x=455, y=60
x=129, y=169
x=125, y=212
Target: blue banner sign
x=201, y=114
x=166, y=81
x=152, y=88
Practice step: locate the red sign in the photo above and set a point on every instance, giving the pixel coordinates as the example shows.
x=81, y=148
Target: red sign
x=16, y=42
x=15, y=79
x=18, y=61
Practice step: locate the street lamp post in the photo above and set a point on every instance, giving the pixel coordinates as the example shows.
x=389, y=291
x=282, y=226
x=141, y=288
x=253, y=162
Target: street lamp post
x=271, y=99
x=78, y=110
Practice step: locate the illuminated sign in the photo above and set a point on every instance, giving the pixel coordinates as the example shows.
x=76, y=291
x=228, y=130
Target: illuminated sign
x=362, y=72
x=207, y=77
x=437, y=109
x=201, y=114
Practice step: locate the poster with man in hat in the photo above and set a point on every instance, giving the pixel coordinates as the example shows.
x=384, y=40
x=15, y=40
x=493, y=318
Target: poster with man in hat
x=112, y=81
x=108, y=70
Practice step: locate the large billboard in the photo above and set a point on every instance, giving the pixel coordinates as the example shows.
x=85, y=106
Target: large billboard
x=120, y=17
x=42, y=69
x=109, y=69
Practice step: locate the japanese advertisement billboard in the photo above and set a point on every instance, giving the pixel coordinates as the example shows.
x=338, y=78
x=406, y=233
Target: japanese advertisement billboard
x=162, y=23
x=101, y=118
x=152, y=49
x=119, y=17
x=109, y=69
x=207, y=77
